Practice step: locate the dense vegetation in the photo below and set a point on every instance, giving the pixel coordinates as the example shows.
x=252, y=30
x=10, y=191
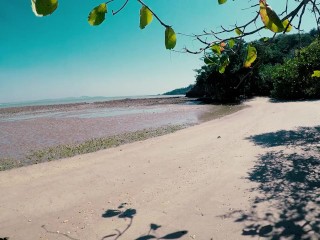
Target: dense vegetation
x=180, y=91
x=283, y=70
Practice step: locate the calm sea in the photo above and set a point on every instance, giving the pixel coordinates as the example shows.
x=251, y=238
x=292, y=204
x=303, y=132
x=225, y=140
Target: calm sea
x=77, y=100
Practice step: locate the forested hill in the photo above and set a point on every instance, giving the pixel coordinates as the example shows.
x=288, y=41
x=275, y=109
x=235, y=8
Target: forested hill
x=179, y=91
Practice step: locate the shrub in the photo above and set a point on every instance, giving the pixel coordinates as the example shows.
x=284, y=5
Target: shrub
x=263, y=80
x=292, y=80
x=286, y=83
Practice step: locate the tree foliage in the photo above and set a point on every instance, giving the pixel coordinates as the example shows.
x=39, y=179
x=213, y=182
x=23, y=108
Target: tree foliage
x=281, y=70
x=298, y=78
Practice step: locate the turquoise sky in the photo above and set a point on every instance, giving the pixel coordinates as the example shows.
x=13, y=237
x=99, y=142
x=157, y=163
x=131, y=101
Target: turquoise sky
x=63, y=56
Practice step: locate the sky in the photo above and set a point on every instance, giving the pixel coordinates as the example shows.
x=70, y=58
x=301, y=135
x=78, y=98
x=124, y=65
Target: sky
x=61, y=55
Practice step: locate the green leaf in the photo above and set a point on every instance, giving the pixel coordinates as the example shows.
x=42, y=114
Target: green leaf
x=285, y=23
x=170, y=38
x=44, y=7
x=97, y=15
x=251, y=56
x=222, y=69
x=316, y=73
x=231, y=43
x=208, y=61
x=222, y=1
x=270, y=18
x=238, y=31
x=211, y=60
x=224, y=62
x=216, y=49
x=264, y=39
x=146, y=17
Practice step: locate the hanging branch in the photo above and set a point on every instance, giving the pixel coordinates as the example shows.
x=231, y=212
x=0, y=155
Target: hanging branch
x=155, y=15
x=206, y=38
x=122, y=7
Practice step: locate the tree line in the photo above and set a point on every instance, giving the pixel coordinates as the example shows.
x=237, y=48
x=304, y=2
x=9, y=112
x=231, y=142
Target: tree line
x=285, y=68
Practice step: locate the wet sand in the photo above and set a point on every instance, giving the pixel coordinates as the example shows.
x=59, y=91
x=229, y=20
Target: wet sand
x=28, y=129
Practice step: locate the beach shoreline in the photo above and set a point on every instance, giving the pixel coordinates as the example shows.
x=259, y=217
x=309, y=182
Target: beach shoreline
x=36, y=134
x=248, y=175
x=126, y=102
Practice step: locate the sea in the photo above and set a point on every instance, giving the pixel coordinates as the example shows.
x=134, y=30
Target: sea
x=82, y=99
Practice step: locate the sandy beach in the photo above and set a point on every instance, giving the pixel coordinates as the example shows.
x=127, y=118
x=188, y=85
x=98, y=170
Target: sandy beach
x=253, y=174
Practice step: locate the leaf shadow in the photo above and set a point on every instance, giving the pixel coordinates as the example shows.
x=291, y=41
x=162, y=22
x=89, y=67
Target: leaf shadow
x=288, y=178
x=122, y=212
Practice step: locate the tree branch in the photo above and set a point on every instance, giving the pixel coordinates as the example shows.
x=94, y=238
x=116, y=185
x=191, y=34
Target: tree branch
x=155, y=15
x=122, y=7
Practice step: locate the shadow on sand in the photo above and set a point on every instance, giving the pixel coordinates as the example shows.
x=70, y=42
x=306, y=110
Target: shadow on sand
x=128, y=213
x=288, y=178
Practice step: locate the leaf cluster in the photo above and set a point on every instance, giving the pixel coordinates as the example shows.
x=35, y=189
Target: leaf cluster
x=98, y=15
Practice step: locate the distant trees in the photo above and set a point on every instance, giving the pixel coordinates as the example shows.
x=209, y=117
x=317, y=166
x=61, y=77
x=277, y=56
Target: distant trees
x=180, y=91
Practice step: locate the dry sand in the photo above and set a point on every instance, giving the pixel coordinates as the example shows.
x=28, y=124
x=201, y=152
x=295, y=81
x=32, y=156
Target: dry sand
x=209, y=181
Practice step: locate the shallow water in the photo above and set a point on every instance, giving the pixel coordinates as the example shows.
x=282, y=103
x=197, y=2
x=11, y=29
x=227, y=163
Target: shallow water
x=24, y=132
x=87, y=113
x=79, y=100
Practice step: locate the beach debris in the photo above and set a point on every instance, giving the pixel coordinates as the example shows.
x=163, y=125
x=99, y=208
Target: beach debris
x=219, y=137
x=65, y=221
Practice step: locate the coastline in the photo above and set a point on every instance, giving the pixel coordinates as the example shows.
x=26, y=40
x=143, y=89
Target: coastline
x=247, y=175
x=126, y=121
x=127, y=102
x=75, y=100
